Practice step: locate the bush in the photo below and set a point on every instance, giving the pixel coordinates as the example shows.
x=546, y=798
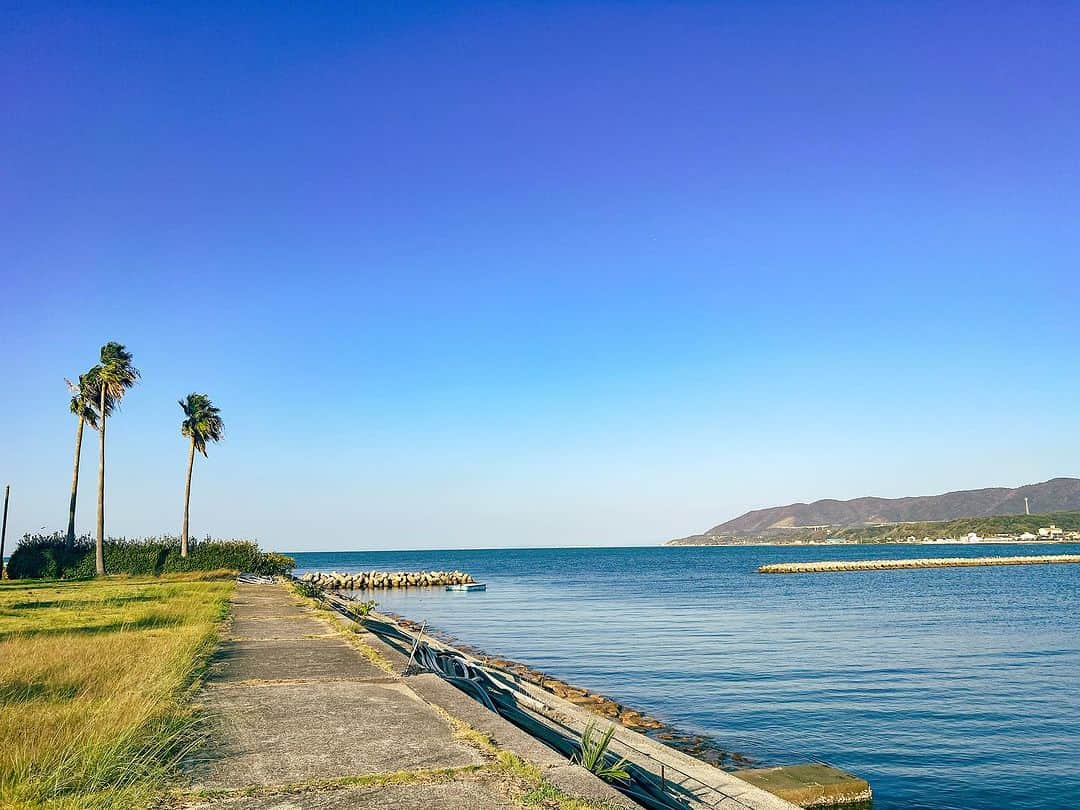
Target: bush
x=45, y=557
x=308, y=589
x=362, y=610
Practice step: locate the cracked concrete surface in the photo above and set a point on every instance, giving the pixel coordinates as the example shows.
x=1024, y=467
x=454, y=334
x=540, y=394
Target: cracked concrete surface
x=290, y=710
x=460, y=794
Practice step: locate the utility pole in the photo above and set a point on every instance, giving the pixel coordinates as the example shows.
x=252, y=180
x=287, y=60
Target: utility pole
x=3, y=529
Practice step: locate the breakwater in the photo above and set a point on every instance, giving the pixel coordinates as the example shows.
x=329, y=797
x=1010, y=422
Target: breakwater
x=369, y=580
x=930, y=562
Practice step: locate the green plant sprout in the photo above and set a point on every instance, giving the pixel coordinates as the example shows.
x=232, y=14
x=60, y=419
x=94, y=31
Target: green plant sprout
x=594, y=756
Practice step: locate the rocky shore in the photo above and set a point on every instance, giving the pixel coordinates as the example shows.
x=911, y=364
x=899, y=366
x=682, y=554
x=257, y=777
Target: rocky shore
x=366, y=580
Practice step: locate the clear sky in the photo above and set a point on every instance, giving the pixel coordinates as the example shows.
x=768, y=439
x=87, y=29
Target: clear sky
x=466, y=274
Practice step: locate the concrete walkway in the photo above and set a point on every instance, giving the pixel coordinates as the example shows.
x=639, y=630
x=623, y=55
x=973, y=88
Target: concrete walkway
x=308, y=715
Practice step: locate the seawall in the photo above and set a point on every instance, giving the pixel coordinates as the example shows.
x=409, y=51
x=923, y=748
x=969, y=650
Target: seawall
x=829, y=566
x=540, y=709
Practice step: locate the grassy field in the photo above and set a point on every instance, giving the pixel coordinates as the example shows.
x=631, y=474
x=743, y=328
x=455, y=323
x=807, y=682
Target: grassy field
x=95, y=678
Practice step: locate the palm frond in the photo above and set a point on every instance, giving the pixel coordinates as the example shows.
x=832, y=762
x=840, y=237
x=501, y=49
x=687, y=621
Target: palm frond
x=202, y=421
x=114, y=373
x=90, y=386
x=86, y=397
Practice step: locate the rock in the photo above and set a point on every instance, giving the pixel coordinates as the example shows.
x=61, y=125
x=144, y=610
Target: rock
x=629, y=717
x=363, y=580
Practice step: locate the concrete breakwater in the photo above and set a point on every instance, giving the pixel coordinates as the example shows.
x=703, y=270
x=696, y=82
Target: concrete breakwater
x=930, y=562
x=366, y=580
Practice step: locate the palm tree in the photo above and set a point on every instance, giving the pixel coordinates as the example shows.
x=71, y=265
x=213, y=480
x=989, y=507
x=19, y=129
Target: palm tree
x=84, y=403
x=202, y=423
x=114, y=375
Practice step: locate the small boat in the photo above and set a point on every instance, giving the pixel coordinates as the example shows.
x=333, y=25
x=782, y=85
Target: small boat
x=468, y=586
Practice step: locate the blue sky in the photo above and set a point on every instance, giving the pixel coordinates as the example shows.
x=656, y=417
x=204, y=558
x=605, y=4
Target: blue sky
x=538, y=274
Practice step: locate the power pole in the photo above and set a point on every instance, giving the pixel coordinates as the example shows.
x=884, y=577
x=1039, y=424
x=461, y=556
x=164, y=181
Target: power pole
x=3, y=529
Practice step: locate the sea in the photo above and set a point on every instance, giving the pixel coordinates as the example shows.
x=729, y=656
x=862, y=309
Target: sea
x=950, y=688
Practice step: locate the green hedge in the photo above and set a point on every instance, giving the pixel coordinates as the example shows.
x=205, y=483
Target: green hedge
x=45, y=557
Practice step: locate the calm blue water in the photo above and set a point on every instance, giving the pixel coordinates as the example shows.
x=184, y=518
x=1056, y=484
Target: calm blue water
x=948, y=688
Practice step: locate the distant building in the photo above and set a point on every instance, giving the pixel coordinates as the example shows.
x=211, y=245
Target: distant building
x=1028, y=536
x=1052, y=532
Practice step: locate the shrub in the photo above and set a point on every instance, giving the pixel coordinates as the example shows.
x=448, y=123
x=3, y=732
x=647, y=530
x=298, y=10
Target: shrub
x=362, y=610
x=308, y=589
x=45, y=557
x=273, y=563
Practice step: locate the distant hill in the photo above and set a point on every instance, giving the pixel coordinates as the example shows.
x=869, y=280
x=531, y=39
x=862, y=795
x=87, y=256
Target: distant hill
x=986, y=527
x=1055, y=495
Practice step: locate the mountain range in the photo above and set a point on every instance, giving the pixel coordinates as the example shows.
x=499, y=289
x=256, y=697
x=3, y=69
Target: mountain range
x=1055, y=495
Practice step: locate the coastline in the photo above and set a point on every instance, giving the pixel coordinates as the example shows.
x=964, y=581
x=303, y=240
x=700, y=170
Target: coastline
x=799, y=543
x=813, y=785
x=699, y=746
x=578, y=614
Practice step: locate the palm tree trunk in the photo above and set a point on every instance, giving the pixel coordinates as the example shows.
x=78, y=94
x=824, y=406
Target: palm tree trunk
x=70, y=541
x=99, y=546
x=187, y=500
x=3, y=529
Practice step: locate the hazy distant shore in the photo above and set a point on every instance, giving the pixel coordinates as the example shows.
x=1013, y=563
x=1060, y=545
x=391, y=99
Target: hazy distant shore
x=987, y=541
x=1050, y=527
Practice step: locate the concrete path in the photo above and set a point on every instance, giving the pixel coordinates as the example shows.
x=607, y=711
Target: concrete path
x=297, y=707
x=308, y=715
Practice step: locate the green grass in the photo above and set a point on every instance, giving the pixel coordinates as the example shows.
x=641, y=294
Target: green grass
x=536, y=791
x=95, y=678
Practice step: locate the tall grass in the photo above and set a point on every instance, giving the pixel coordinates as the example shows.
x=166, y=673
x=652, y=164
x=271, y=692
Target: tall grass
x=46, y=556
x=95, y=681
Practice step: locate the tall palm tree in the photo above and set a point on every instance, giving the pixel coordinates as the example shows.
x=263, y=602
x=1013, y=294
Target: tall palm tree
x=84, y=403
x=202, y=423
x=114, y=375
